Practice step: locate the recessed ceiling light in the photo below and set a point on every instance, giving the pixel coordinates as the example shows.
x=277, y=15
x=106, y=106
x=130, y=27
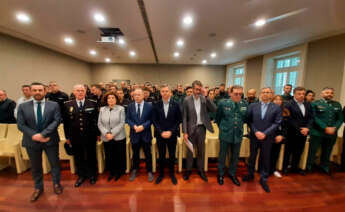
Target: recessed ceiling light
x=122, y=41
x=176, y=54
x=23, y=17
x=260, y=22
x=229, y=44
x=132, y=53
x=92, y=52
x=213, y=55
x=107, y=60
x=204, y=61
x=180, y=43
x=99, y=17
x=68, y=40
x=187, y=20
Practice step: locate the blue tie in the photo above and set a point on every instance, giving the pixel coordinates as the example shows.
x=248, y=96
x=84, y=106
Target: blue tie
x=39, y=117
x=263, y=110
x=138, y=111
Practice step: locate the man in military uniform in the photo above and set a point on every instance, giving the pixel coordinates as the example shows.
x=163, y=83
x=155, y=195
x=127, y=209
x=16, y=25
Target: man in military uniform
x=179, y=95
x=328, y=118
x=287, y=93
x=230, y=118
x=80, y=125
x=56, y=95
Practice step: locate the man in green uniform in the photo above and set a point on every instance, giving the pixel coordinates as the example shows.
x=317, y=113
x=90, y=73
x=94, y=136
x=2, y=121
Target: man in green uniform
x=328, y=118
x=230, y=118
x=179, y=95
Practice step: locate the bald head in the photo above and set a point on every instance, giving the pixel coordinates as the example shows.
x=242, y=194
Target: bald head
x=3, y=95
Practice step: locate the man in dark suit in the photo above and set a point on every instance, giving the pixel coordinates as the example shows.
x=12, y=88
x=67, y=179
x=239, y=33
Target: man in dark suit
x=264, y=118
x=38, y=119
x=80, y=124
x=299, y=123
x=166, y=119
x=195, y=122
x=7, y=108
x=139, y=118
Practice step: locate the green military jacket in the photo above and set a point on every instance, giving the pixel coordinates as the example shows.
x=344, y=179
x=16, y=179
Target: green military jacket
x=178, y=97
x=326, y=114
x=230, y=119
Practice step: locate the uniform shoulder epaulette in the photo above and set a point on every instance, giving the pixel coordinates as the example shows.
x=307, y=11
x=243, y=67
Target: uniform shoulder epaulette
x=67, y=101
x=92, y=100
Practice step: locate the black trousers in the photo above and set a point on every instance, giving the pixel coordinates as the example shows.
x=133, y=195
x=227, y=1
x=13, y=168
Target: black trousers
x=294, y=150
x=85, y=158
x=136, y=155
x=265, y=154
x=115, y=156
x=274, y=156
x=162, y=146
x=35, y=156
x=198, y=141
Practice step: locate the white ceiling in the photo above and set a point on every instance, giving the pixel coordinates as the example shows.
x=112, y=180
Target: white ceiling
x=52, y=20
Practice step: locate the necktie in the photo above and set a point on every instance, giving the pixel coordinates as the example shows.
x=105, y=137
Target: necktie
x=80, y=105
x=39, y=117
x=264, y=109
x=138, y=111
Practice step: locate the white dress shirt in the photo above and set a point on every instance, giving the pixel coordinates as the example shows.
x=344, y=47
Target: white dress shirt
x=166, y=107
x=301, y=106
x=141, y=107
x=197, y=105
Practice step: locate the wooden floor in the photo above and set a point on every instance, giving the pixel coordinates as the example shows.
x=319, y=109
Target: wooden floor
x=315, y=192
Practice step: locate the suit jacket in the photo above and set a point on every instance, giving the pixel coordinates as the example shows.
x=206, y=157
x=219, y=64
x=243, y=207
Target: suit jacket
x=79, y=125
x=189, y=114
x=169, y=123
x=268, y=125
x=112, y=121
x=145, y=120
x=26, y=122
x=296, y=119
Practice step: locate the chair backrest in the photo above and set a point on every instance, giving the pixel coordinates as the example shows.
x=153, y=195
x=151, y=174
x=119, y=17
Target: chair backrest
x=3, y=130
x=13, y=134
x=127, y=129
x=61, y=132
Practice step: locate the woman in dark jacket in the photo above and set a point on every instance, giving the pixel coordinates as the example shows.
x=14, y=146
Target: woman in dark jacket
x=280, y=136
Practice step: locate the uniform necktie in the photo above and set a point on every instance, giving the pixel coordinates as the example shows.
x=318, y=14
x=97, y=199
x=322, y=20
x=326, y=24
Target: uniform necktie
x=80, y=105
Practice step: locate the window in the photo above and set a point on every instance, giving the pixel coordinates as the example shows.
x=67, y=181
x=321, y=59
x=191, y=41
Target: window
x=285, y=72
x=238, y=75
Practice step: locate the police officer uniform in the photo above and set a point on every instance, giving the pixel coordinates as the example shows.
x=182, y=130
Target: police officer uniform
x=230, y=118
x=80, y=125
x=327, y=113
x=58, y=97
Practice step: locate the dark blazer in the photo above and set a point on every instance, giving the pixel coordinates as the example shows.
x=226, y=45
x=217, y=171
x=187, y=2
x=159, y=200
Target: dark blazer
x=296, y=119
x=189, y=114
x=171, y=122
x=268, y=125
x=145, y=120
x=27, y=123
x=79, y=125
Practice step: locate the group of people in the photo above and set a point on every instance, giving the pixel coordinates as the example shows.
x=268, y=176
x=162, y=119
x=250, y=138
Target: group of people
x=101, y=112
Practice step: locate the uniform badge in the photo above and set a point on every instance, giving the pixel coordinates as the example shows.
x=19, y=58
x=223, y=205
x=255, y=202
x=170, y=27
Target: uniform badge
x=71, y=109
